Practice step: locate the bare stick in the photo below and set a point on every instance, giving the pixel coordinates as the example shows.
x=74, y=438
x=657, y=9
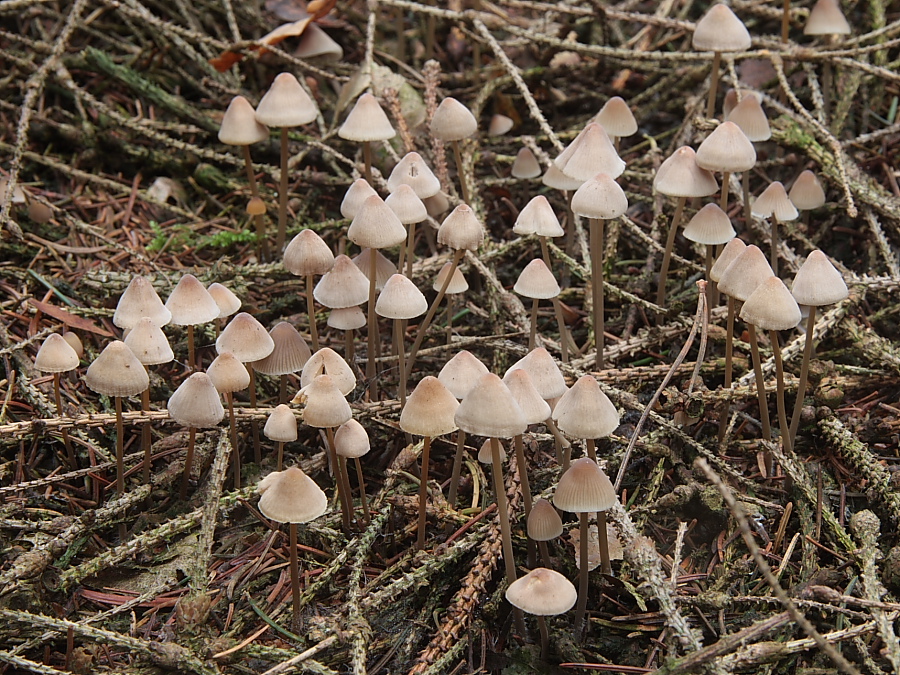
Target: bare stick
x=582, y=572
x=532, y=335
x=372, y=347
x=804, y=374
x=729, y=358
x=457, y=467
x=713, y=85
x=423, y=492
x=597, y=287
x=235, y=452
x=667, y=254
x=557, y=307
x=258, y=219
x=282, y=194
x=463, y=186
x=760, y=389
x=295, y=572
x=311, y=313
x=362, y=490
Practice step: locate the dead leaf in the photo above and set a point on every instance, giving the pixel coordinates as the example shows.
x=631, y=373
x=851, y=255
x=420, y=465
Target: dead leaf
x=70, y=320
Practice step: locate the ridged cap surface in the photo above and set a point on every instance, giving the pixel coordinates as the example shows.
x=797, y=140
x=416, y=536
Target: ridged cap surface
x=771, y=306
x=600, y=197
x=536, y=281
x=117, y=372
x=190, y=303
x=228, y=374
x=461, y=230
x=139, y=300
x=289, y=354
x=710, y=226
x=342, y=286
x=537, y=217
x=584, y=488
x=413, y=171
x=542, y=592
x=489, y=409
x=351, y=440
x=679, y=176
x=585, y=411
x=720, y=30
x=286, y=104
x=196, y=403
x=227, y=301
x=747, y=271
x=326, y=361
x=461, y=373
x=281, y=425
x=429, y=410
x=290, y=496
x=591, y=152
x=56, y=355
x=325, y=404
x=545, y=374
x=307, y=254
x=726, y=149
x=400, y=299
x=818, y=282
x=149, y=344
x=453, y=121
x=375, y=225
x=239, y=125
x=367, y=121
x=246, y=338
x=544, y=522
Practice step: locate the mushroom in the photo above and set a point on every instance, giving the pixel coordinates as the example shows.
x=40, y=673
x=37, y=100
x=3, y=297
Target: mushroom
x=543, y=525
x=289, y=354
x=229, y=375
x=413, y=172
x=457, y=286
x=190, y=305
x=57, y=356
x=400, y=301
x=196, y=404
x=719, y=30
x=774, y=203
x=281, y=427
x=367, y=122
x=749, y=115
x=307, y=255
x=352, y=442
x=452, y=121
x=537, y=282
x=542, y=592
x=525, y=165
x=807, y=194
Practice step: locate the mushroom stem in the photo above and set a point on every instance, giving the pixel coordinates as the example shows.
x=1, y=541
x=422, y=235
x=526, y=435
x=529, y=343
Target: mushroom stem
x=457, y=467
x=350, y=345
x=545, y=638
x=295, y=572
x=779, y=375
x=503, y=515
x=399, y=346
x=282, y=389
x=729, y=357
x=191, y=362
x=597, y=287
x=340, y=480
x=667, y=254
x=605, y=562
x=235, y=452
x=188, y=462
x=557, y=308
x=526, y=490
x=582, y=572
x=70, y=453
x=258, y=219
x=120, y=460
x=773, y=256
x=146, y=440
x=804, y=372
x=423, y=491
x=372, y=328
x=367, y=161
x=545, y=553
x=723, y=201
x=408, y=252
x=282, y=194
x=463, y=186
x=591, y=449
x=561, y=441
x=280, y=450
x=311, y=313
x=532, y=335
x=254, y=425
x=362, y=490
x=745, y=188
x=760, y=392
x=713, y=85
x=785, y=19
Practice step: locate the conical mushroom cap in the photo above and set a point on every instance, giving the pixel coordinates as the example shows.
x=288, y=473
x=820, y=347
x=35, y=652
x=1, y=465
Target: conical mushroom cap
x=400, y=299
x=728, y=255
x=486, y=453
x=196, y=403
x=190, y=303
x=586, y=412
x=826, y=18
x=307, y=254
x=751, y=118
x=351, y=440
x=149, y=344
x=56, y=355
x=228, y=374
x=679, y=176
x=584, y=488
x=726, y=149
x=591, y=152
x=452, y=121
x=413, y=171
x=325, y=404
x=458, y=283
x=406, y=205
x=489, y=409
x=556, y=179
x=290, y=496
x=543, y=522
x=774, y=201
x=537, y=217
x=227, y=301
x=771, y=306
x=246, y=338
x=461, y=373
x=710, y=226
x=545, y=374
x=347, y=318
x=286, y=104
x=140, y=300
x=429, y=410
x=534, y=408
x=289, y=354
x=807, y=192
x=117, y=372
x=616, y=118
x=375, y=225
x=367, y=122
x=326, y=361
x=536, y=281
x=542, y=592
x=342, y=286
x=818, y=282
x=316, y=42
x=281, y=425
x=384, y=268
x=358, y=192
x=600, y=197
x=499, y=125
x=74, y=342
x=720, y=30
x=239, y=125
x=525, y=165
x=745, y=273
x=461, y=230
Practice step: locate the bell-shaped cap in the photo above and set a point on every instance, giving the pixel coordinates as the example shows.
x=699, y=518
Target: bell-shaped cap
x=307, y=254
x=586, y=412
x=289, y=354
x=190, y=303
x=747, y=271
x=56, y=355
x=489, y=409
x=556, y=179
x=286, y=104
x=406, y=205
x=679, y=176
x=751, y=118
x=584, y=488
x=413, y=171
x=74, y=342
x=351, y=440
x=537, y=217
x=227, y=301
x=591, y=152
x=728, y=255
x=545, y=374
x=196, y=403
x=239, y=124
x=246, y=338
x=384, y=268
x=342, y=286
x=429, y=410
x=281, y=425
x=544, y=523
x=461, y=230
x=375, y=225
x=228, y=374
x=486, y=453
x=826, y=18
x=139, y=300
x=525, y=165
x=818, y=282
x=400, y=299
x=534, y=408
x=726, y=149
x=316, y=42
x=616, y=118
x=536, y=281
x=367, y=122
x=542, y=592
x=358, y=192
x=325, y=406
x=710, y=226
x=499, y=125
x=290, y=496
x=326, y=361
x=458, y=283
x=771, y=306
x=720, y=30
x=600, y=197
x=461, y=373
x=774, y=202
x=347, y=318
x=807, y=192
x=452, y=121
x=149, y=344
x=117, y=372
